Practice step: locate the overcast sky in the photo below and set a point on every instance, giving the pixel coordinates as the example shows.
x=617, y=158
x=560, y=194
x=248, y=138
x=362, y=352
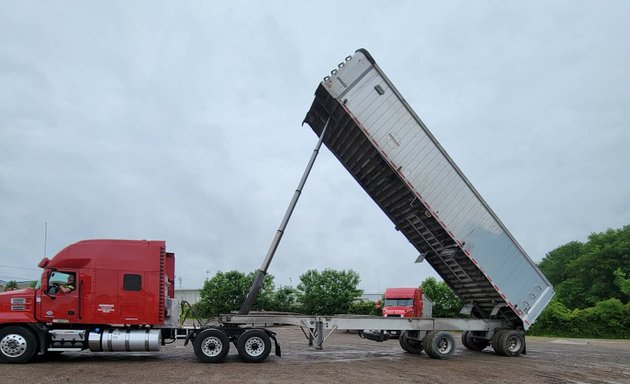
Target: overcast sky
x=181, y=121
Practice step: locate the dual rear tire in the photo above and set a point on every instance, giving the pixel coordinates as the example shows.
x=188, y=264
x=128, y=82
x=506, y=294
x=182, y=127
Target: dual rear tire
x=508, y=342
x=253, y=346
x=439, y=344
x=212, y=345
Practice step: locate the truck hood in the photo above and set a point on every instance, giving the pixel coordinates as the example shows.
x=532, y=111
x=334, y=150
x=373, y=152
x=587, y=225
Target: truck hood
x=19, y=295
x=24, y=292
x=17, y=306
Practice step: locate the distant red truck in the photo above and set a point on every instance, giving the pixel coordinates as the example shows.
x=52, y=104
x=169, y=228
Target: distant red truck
x=406, y=302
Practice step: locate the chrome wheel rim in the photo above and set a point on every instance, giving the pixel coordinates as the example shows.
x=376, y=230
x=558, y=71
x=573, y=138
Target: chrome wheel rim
x=255, y=346
x=13, y=345
x=514, y=344
x=444, y=345
x=212, y=346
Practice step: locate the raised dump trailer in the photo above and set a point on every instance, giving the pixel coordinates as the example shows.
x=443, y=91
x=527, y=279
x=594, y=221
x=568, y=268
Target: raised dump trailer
x=391, y=153
x=365, y=122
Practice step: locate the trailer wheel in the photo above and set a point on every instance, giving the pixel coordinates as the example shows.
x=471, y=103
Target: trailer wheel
x=439, y=344
x=508, y=342
x=17, y=345
x=253, y=346
x=211, y=346
x=409, y=345
x=474, y=344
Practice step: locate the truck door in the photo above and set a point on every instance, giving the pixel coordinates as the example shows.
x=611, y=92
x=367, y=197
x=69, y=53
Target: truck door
x=60, y=301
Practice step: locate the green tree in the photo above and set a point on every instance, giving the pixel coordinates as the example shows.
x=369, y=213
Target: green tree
x=607, y=319
x=555, y=264
x=592, y=287
x=585, y=274
x=328, y=292
x=226, y=291
x=285, y=299
x=361, y=307
x=622, y=282
x=555, y=320
x=601, y=256
x=445, y=301
x=11, y=285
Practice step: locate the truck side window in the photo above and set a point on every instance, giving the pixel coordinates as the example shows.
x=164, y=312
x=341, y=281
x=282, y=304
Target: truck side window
x=61, y=282
x=132, y=282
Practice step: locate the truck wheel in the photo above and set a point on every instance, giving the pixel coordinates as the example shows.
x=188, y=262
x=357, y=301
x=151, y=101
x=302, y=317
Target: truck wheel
x=508, y=342
x=409, y=345
x=211, y=346
x=17, y=345
x=439, y=344
x=253, y=346
x=474, y=344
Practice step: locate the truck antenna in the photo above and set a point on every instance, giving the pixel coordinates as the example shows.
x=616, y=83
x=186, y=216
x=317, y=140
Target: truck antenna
x=262, y=272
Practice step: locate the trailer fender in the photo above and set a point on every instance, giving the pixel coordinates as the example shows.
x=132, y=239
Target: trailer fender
x=272, y=336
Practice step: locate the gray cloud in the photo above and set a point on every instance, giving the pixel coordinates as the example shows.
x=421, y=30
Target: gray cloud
x=182, y=123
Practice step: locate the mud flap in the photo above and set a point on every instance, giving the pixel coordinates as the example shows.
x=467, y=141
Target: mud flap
x=189, y=335
x=272, y=335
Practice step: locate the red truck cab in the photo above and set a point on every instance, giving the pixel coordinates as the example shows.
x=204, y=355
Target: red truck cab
x=406, y=302
x=122, y=289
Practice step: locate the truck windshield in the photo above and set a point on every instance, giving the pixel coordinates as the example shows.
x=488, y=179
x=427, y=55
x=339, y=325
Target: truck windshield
x=398, y=302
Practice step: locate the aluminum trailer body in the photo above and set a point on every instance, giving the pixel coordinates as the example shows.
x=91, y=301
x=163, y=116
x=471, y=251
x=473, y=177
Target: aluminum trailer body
x=389, y=151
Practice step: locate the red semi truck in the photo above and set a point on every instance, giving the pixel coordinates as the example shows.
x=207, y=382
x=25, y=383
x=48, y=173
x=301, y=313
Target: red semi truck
x=122, y=301
x=406, y=302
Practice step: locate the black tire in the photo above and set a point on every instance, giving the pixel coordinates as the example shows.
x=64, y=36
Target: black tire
x=474, y=344
x=17, y=345
x=410, y=345
x=439, y=344
x=496, y=345
x=211, y=346
x=253, y=346
x=508, y=343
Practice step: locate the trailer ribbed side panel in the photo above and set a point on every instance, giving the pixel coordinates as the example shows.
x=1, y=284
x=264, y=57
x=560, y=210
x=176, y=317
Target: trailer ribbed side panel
x=393, y=156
